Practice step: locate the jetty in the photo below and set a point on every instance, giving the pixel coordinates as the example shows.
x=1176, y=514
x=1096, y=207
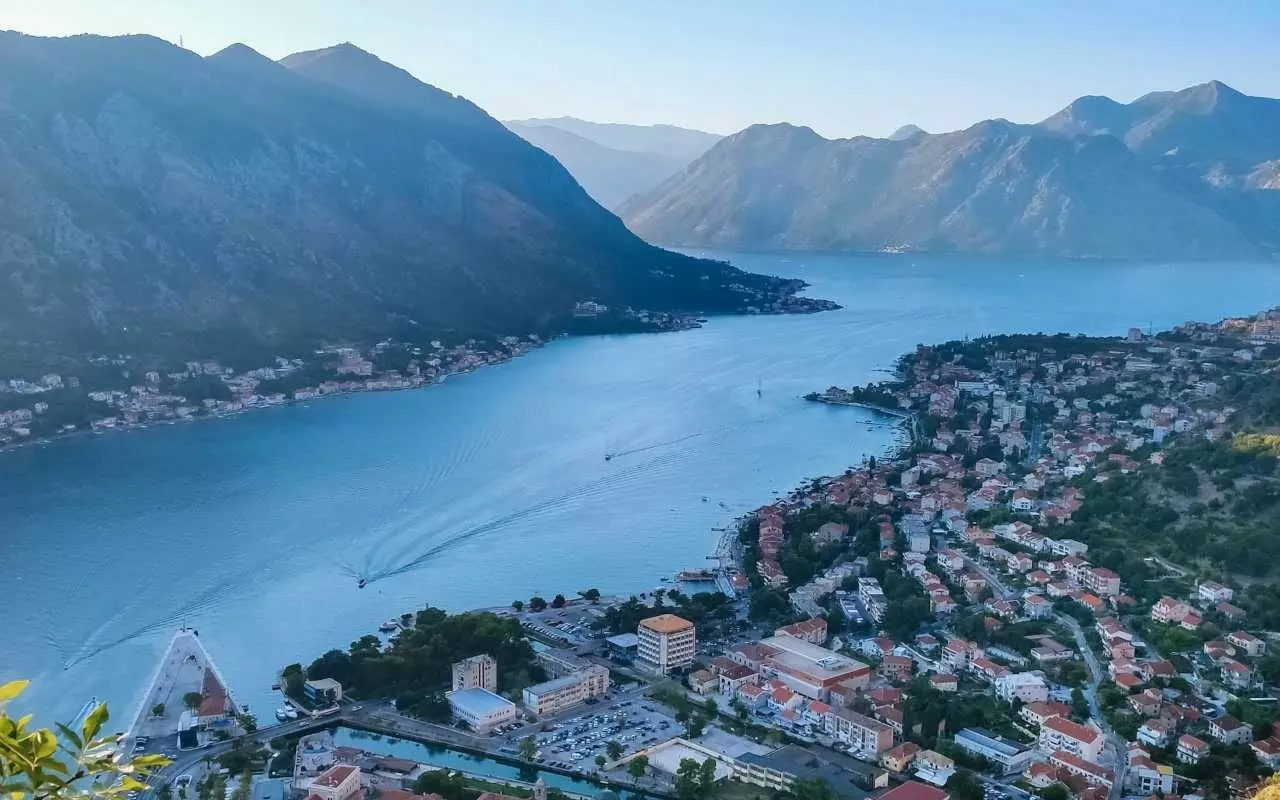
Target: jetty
x=185, y=670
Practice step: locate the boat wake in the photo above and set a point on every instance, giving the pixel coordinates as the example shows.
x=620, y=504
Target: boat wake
x=203, y=602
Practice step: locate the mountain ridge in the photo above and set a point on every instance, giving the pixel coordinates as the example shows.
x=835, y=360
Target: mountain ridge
x=166, y=204
x=1094, y=180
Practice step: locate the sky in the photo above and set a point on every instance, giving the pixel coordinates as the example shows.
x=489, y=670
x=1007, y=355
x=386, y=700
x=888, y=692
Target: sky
x=844, y=68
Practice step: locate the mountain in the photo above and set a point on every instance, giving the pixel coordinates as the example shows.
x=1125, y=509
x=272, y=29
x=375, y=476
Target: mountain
x=906, y=132
x=614, y=162
x=1187, y=174
x=158, y=202
x=995, y=188
x=1209, y=133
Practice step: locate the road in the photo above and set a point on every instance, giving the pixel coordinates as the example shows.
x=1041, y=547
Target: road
x=992, y=579
x=1115, y=751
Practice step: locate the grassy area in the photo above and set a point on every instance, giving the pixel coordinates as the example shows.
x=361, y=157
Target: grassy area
x=737, y=790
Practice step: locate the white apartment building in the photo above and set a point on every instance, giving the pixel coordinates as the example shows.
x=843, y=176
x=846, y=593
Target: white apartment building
x=666, y=642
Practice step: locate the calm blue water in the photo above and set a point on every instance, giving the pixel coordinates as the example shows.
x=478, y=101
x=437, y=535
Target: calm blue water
x=493, y=486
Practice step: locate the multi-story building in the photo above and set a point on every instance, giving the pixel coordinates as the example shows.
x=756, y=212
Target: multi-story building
x=1101, y=581
x=1007, y=756
x=1059, y=733
x=666, y=642
x=1211, y=592
x=567, y=691
x=1073, y=764
x=867, y=737
x=812, y=630
x=1190, y=749
x=1025, y=686
x=1247, y=643
x=477, y=672
x=338, y=782
x=809, y=669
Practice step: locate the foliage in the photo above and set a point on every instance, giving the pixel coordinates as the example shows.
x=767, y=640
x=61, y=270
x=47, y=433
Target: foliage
x=926, y=707
x=636, y=767
x=812, y=789
x=38, y=763
x=192, y=699
x=537, y=604
x=528, y=748
x=964, y=785
x=706, y=610
x=590, y=595
x=417, y=665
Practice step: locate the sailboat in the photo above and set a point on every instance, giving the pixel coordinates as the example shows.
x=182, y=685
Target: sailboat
x=759, y=388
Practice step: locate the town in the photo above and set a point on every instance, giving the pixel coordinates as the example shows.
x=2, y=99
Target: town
x=960, y=618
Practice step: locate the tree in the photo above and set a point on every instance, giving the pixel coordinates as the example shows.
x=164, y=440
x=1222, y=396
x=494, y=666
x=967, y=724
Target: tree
x=1055, y=792
x=518, y=605
x=637, y=766
x=558, y=601
x=1079, y=705
x=964, y=785
x=39, y=764
x=697, y=723
x=192, y=699
x=707, y=776
x=590, y=595
x=601, y=761
x=165, y=792
x=689, y=780
x=248, y=722
x=528, y=748
x=157, y=710
x=614, y=749
x=812, y=789
x=537, y=604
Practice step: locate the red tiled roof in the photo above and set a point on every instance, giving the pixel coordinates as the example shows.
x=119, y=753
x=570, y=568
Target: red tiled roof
x=334, y=776
x=914, y=790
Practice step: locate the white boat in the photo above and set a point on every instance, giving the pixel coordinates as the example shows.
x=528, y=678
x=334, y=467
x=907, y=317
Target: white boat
x=389, y=626
x=281, y=714
x=291, y=712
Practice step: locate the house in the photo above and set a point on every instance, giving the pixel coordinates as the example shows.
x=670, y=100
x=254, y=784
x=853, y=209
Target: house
x=864, y=736
x=955, y=656
x=896, y=668
x=1235, y=674
x=1036, y=713
x=1155, y=732
x=914, y=790
x=1037, y=607
x=1101, y=581
x=933, y=767
x=1229, y=730
x=1148, y=778
x=1267, y=751
x=1247, y=643
x=1024, y=686
x=1190, y=749
x=1146, y=703
x=1090, y=771
x=1212, y=592
x=1060, y=733
x=900, y=757
x=1020, y=562
x=944, y=682
x=812, y=630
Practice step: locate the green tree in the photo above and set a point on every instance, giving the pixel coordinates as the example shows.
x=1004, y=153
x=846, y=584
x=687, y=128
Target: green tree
x=1055, y=792
x=614, y=749
x=1079, y=705
x=528, y=748
x=165, y=792
x=248, y=722
x=697, y=723
x=518, y=605
x=558, y=601
x=38, y=764
x=590, y=595
x=157, y=710
x=689, y=780
x=812, y=789
x=537, y=604
x=192, y=699
x=601, y=761
x=707, y=776
x=637, y=766
x=964, y=785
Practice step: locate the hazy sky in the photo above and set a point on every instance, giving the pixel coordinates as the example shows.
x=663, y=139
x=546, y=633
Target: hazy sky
x=844, y=68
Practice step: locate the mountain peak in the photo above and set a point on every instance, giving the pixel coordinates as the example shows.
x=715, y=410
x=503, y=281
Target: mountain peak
x=242, y=55
x=907, y=132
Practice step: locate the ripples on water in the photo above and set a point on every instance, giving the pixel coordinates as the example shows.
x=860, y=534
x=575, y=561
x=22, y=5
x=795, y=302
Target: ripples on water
x=494, y=486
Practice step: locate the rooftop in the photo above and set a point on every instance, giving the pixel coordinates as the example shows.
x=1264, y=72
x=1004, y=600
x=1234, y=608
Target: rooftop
x=991, y=741
x=553, y=685
x=809, y=658
x=666, y=623
x=914, y=790
x=478, y=702
x=334, y=776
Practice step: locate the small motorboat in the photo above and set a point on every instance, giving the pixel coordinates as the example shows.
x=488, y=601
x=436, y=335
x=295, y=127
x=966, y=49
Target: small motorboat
x=281, y=714
x=389, y=626
x=360, y=584
x=608, y=456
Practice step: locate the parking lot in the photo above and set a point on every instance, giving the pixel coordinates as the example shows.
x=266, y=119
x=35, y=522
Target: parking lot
x=635, y=724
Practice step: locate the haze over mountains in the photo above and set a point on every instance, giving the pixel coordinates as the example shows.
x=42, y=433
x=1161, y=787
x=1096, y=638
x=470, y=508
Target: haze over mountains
x=613, y=161
x=1187, y=174
x=158, y=202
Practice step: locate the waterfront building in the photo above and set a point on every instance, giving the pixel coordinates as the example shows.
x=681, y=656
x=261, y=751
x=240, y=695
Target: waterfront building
x=665, y=642
x=322, y=692
x=623, y=647
x=1008, y=756
x=477, y=672
x=481, y=709
x=550, y=697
